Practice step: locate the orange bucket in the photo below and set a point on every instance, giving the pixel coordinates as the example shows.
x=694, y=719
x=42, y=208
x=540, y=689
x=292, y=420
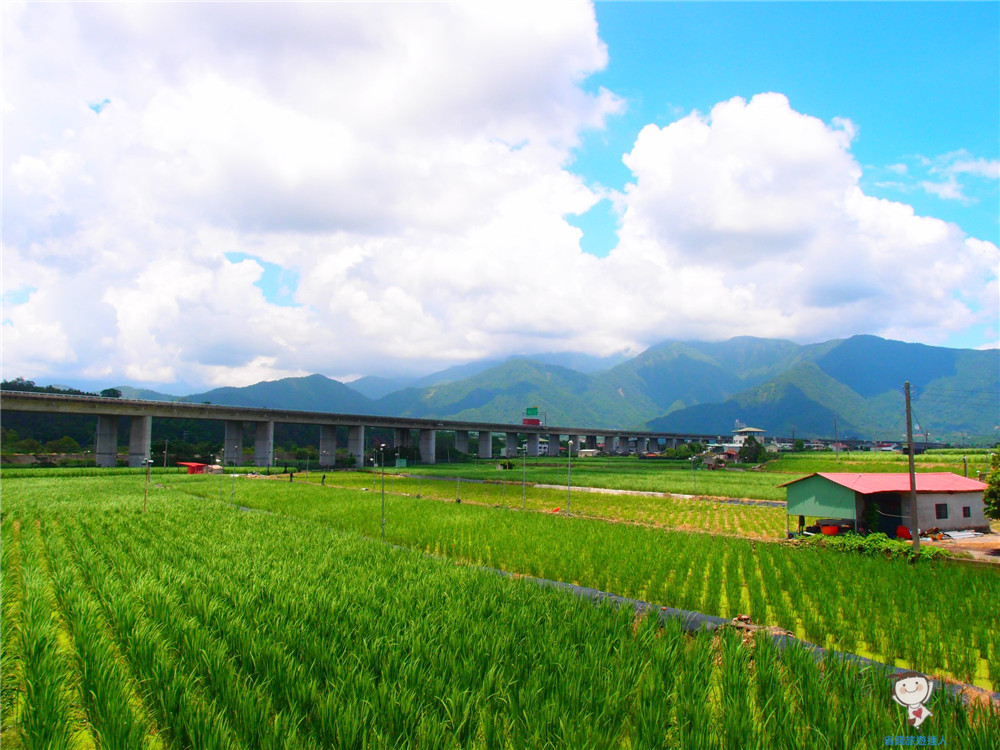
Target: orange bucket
x=830, y=530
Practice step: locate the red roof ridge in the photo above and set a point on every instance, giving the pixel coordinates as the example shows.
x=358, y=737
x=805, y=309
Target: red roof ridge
x=928, y=482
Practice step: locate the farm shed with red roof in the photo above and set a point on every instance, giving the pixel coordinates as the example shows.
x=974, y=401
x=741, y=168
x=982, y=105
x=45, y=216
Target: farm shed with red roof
x=944, y=500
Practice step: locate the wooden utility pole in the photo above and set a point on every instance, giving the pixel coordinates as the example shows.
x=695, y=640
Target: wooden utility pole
x=913, y=474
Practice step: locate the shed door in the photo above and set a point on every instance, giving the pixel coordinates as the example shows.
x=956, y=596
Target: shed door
x=890, y=511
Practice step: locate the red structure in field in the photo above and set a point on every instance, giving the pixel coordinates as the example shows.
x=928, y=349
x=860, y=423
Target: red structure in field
x=192, y=467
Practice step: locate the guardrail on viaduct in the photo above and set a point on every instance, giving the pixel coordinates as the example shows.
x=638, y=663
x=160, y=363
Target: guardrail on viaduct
x=141, y=413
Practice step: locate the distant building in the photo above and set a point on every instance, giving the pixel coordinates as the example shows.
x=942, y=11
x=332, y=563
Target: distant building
x=732, y=449
x=740, y=436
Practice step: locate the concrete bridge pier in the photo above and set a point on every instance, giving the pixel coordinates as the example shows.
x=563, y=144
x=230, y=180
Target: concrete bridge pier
x=400, y=438
x=327, y=445
x=263, y=444
x=591, y=442
x=428, y=446
x=511, y=445
x=106, y=449
x=641, y=445
x=233, y=446
x=140, y=432
x=356, y=443
x=532, y=445
x=485, y=444
x=553, y=444
x=462, y=441
x=610, y=443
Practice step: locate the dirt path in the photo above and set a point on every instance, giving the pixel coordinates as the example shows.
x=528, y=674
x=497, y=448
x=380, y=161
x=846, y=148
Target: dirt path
x=985, y=548
x=645, y=493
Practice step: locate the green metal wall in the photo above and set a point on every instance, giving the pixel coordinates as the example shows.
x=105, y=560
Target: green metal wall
x=816, y=496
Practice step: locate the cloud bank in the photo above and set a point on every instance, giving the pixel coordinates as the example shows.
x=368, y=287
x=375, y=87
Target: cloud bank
x=410, y=167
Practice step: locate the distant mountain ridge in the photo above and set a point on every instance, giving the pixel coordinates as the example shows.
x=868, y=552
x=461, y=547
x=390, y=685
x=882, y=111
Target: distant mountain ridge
x=375, y=387
x=859, y=383
x=309, y=393
x=699, y=387
x=145, y=394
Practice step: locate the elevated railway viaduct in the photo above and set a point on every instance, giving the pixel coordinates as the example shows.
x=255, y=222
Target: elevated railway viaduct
x=141, y=414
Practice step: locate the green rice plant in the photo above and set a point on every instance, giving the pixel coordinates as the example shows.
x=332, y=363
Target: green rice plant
x=662, y=567
x=106, y=693
x=714, y=576
x=205, y=658
x=861, y=461
x=735, y=688
x=693, y=713
x=44, y=720
x=656, y=695
x=673, y=512
x=994, y=658
x=10, y=615
x=777, y=714
x=810, y=695
x=729, y=571
x=172, y=695
x=339, y=640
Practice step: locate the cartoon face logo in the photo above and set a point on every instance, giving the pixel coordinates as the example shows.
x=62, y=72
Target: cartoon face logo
x=911, y=690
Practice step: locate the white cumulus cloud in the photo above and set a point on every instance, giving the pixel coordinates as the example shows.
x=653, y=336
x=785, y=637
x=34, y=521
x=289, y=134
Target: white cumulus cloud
x=751, y=218
x=408, y=165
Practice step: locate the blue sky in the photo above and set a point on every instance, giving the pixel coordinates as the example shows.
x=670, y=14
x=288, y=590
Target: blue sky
x=223, y=193
x=919, y=79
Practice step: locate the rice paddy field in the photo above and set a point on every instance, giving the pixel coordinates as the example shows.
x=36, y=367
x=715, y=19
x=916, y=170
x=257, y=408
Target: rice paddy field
x=202, y=623
x=688, y=513
x=631, y=473
x=955, y=461
x=623, y=473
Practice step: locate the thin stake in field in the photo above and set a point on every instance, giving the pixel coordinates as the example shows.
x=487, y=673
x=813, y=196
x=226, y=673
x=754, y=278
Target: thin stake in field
x=382, y=449
x=569, y=471
x=145, y=491
x=524, y=477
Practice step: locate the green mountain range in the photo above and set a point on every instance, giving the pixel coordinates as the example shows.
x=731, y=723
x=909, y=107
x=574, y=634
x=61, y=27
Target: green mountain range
x=501, y=393
x=310, y=393
x=697, y=387
x=704, y=387
x=859, y=383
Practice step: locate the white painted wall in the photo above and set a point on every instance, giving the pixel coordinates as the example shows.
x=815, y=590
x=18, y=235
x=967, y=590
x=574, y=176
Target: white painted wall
x=927, y=518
